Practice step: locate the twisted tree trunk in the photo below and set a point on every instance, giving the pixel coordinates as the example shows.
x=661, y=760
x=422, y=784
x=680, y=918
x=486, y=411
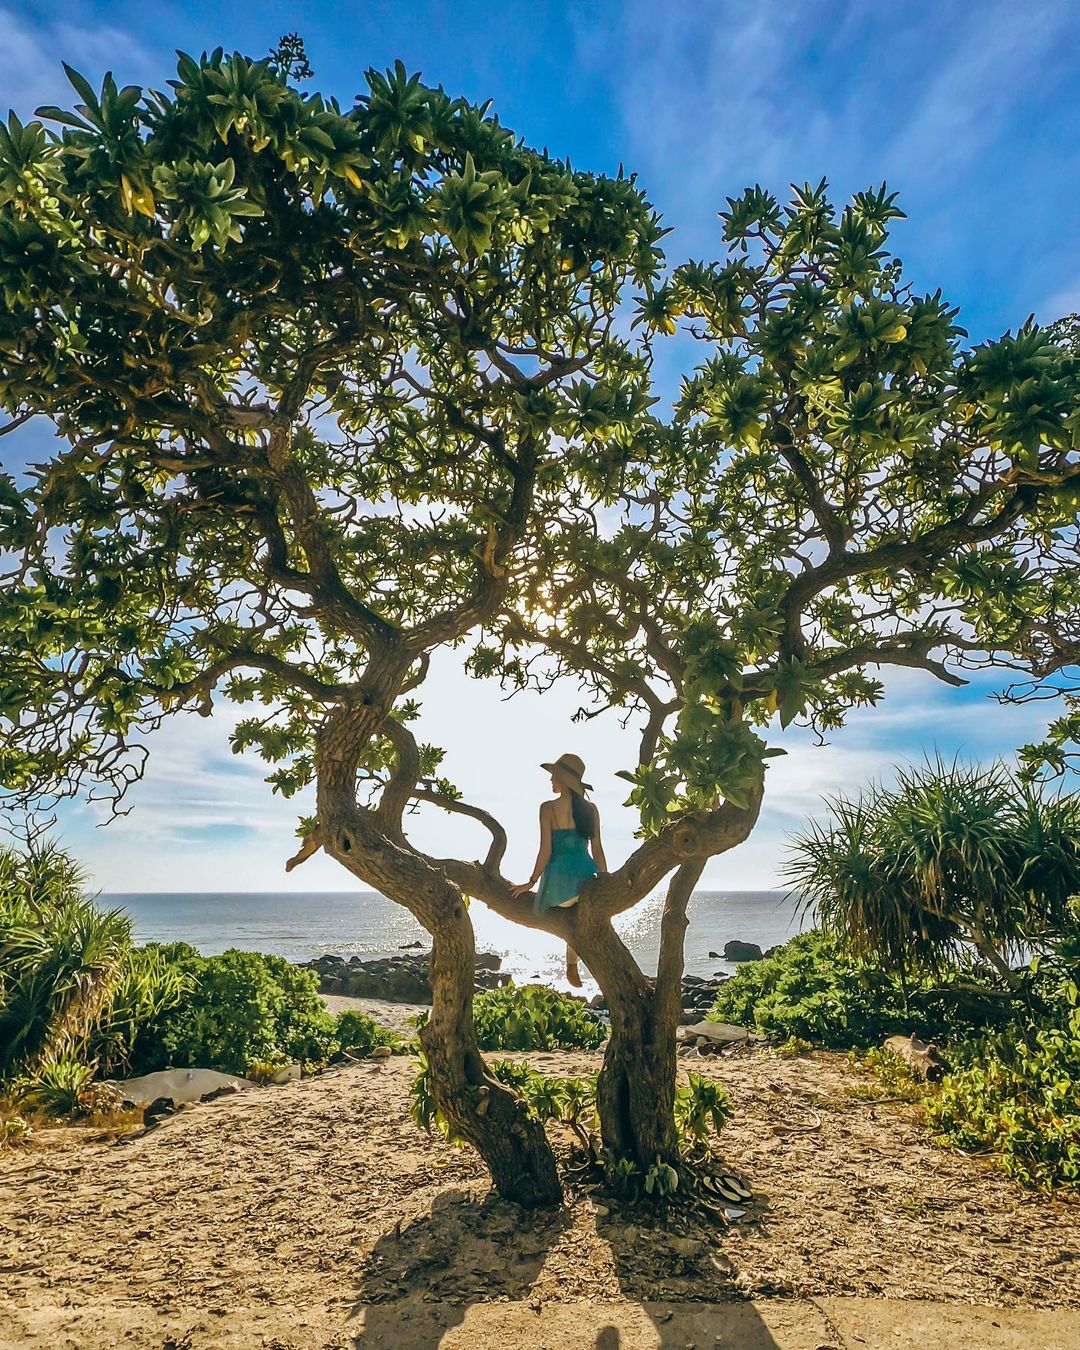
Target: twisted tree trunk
x=635, y=1095
x=480, y=1109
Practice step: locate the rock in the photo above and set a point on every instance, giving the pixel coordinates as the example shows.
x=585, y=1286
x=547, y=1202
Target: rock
x=717, y=1033
x=770, y=951
x=158, y=1109
x=177, y=1086
x=742, y=951
x=289, y=1073
x=410, y=946
x=922, y=1058
x=715, y=956
x=381, y=1052
x=394, y=979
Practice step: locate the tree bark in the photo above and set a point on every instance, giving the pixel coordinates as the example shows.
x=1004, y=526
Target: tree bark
x=635, y=1095
x=480, y=1109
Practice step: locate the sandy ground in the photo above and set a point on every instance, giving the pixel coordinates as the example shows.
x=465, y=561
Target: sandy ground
x=398, y=1016
x=316, y=1214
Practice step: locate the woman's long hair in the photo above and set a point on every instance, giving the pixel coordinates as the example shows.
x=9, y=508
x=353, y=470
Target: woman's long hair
x=584, y=816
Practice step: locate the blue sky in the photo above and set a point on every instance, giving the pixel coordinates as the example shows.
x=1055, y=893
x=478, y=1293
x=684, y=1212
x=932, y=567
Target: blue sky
x=969, y=110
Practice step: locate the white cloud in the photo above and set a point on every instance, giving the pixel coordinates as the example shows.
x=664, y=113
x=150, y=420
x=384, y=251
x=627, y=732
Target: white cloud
x=31, y=73
x=968, y=96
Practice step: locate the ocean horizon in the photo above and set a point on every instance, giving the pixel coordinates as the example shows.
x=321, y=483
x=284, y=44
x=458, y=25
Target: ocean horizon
x=303, y=925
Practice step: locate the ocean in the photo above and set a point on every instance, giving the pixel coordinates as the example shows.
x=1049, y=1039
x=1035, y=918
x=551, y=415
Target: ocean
x=301, y=926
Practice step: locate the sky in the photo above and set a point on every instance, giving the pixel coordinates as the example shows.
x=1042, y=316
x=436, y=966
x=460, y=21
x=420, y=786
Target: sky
x=969, y=110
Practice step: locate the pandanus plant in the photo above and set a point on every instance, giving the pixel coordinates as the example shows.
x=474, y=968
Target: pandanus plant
x=953, y=856
x=60, y=958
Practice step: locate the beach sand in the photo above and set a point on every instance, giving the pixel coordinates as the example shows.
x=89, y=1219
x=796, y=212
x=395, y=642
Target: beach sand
x=306, y=1214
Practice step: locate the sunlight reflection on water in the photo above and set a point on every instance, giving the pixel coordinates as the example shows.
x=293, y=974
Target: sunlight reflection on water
x=302, y=926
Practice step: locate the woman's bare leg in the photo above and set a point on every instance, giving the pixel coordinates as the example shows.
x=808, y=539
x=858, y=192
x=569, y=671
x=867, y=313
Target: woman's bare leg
x=573, y=975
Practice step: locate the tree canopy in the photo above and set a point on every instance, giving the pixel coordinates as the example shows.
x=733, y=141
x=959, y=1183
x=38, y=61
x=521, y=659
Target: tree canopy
x=337, y=388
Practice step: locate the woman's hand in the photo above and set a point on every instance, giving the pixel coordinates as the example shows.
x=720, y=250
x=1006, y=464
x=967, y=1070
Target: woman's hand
x=523, y=889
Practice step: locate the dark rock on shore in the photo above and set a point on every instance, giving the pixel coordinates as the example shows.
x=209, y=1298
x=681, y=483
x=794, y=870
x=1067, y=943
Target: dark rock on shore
x=742, y=951
x=698, y=996
x=395, y=979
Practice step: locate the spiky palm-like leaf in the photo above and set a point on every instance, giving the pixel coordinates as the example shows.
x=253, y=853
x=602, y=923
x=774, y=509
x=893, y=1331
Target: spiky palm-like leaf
x=954, y=854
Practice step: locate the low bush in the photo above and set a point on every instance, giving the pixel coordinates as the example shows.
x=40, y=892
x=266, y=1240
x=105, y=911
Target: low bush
x=532, y=1017
x=810, y=989
x=358, y=1034
x=1018, y=1094
x=56, y=1087
x=15, y=1130
x=892, y=1078
x=236, y=1009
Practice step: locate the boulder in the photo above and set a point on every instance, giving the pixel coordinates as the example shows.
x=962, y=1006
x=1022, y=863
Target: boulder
x=178, y=1086
x=394, y=979
x=289, y=1073
x=742, y=951
x=717, y=1033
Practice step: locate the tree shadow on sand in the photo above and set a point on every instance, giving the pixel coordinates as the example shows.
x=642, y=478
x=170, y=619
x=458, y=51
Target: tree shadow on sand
x=677, y=1274
x=423, y=1277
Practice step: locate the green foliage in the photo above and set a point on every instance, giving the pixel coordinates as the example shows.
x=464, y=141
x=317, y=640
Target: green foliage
x=150, y=985
x=532, y=1017
x=15, y=1131
x=1018, y=1094
x=55, y=1087
x=661, y=1180
x=61, y=959
x=810, y=988
x=434, y=299
x=359, y=1034
x=700, y=1105
x=239, y=1008
x=951, y=855
x=893, y=1077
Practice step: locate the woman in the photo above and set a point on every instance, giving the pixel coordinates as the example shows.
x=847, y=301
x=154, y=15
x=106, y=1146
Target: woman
x=569, y=827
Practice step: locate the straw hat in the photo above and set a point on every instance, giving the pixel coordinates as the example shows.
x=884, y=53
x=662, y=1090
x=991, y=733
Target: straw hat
x=569, y=768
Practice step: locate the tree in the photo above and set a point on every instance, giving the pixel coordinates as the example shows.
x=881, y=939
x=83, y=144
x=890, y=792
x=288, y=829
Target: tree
x=342, y=389
x=952, y=856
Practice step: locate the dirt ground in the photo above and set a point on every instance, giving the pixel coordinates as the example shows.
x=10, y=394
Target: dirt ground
x=316, y=1213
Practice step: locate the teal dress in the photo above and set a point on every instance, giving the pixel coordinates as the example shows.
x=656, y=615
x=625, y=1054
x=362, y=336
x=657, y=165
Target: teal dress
x=570, y=867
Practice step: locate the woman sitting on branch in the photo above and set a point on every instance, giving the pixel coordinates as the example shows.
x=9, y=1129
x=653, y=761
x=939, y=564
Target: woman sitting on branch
x=569, y=828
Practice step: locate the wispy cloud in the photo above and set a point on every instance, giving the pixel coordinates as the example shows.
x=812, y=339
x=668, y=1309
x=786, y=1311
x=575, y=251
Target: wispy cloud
x=32, y=74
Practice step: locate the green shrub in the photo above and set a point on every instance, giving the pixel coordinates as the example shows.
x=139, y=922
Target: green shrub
x=55, y=1087
x=811, y=990
x=359, y=1034
x=532, y=1017
x=700, y=1105
x=1018, y=1094
x=238, y=1008
x=149, y=986
x=15, y=1131
x=60, y=959
x=892, y=1076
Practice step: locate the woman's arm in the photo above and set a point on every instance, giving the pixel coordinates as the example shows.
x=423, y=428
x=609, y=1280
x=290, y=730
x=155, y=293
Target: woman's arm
x=597, y=846
x=544, y=855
